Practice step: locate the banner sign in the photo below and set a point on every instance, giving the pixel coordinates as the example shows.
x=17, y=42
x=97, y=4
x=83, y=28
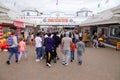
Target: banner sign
x=19, y=24
x=57, y=20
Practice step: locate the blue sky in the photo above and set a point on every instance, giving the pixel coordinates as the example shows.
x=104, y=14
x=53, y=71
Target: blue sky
x=67, y=6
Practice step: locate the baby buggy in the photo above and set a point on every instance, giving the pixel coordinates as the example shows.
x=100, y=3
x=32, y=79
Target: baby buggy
x=100, y=43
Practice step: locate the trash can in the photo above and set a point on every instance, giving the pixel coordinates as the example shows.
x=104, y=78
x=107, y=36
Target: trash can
x=118, y=46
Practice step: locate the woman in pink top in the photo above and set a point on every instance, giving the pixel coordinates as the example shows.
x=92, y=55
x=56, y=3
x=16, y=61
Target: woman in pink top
x=22, y=48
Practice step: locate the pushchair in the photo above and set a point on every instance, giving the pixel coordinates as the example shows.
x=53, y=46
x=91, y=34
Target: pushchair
x=100, y=43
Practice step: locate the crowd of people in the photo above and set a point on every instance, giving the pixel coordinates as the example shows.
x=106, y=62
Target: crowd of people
x=46, y=45
x=49, y=43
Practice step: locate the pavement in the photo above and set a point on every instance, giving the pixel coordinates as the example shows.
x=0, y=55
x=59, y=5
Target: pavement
x=98, y=64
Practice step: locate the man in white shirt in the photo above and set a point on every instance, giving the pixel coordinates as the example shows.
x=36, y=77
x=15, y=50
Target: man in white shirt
x=66, y=42
x=38, y=45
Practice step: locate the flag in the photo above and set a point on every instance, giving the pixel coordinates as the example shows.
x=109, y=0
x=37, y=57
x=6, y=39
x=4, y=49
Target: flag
x=56, y=2
x=107, y=1
x=14, y=3
x=98, y=6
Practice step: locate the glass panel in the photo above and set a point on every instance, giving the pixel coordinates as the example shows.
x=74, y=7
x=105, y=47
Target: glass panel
x=115, y=31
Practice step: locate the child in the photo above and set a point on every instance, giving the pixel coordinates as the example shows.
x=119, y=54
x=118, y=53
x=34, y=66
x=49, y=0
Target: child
x=72, y=47
x=80, y=46
x=22, y=48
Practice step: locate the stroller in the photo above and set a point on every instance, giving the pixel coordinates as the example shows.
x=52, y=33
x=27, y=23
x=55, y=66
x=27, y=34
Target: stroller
x=100, y=44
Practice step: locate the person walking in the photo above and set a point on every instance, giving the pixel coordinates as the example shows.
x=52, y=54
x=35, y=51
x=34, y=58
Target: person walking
x=56, y=44
x=12, y=47
x=32, y=39
x=95, y=40
x=38, y=45
x=72, y=47
x=76, y=37
x=23, y=49
x=66, y=42
x=49, y=45
x=80, y=46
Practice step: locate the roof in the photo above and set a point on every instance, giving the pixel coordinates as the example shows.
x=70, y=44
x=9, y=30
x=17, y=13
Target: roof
x=105, y=17
x=84, y=10
x=3, y=6
x=3, y=9
x=30, y=9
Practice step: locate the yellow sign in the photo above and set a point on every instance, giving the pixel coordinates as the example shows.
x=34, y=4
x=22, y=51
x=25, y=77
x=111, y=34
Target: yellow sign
x=118, y=45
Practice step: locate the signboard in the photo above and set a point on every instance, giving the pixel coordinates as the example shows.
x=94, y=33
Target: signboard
x=57, y=20
x=19, y=24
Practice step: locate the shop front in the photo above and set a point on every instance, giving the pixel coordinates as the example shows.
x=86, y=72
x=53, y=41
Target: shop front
x=86, y=29
x=19, y=26
x=5, y=28
x=114, y=34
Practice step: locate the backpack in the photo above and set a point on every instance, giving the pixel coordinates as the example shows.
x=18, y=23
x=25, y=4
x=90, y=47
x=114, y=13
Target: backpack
x=9, y=41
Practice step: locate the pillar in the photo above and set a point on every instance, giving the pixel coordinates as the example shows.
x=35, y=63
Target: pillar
x=1, y=33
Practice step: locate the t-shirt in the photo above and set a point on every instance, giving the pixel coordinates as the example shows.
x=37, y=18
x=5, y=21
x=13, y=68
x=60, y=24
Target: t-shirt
x=95, y=37
x=22, y=46
x=32, y=36
x=76, y=36
x=72, y=47
x=38, y=42
x=15, y=42
x=49, y=43
x=80, y=34
x=46, y=36
x=56, y=40
x=66, y=43
x=80, y=46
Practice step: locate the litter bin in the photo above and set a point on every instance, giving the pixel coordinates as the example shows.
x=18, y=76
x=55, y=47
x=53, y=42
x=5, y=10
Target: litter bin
x=118, y=46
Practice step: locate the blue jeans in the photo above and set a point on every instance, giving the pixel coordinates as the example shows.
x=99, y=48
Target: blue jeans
x=72, y=55
x=76, y=40
x=39, y=52
x=12, y=51
x=79, y=55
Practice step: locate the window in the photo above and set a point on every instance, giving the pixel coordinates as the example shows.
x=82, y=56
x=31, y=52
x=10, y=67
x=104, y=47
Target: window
x=28, y=14
x=115, y=31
